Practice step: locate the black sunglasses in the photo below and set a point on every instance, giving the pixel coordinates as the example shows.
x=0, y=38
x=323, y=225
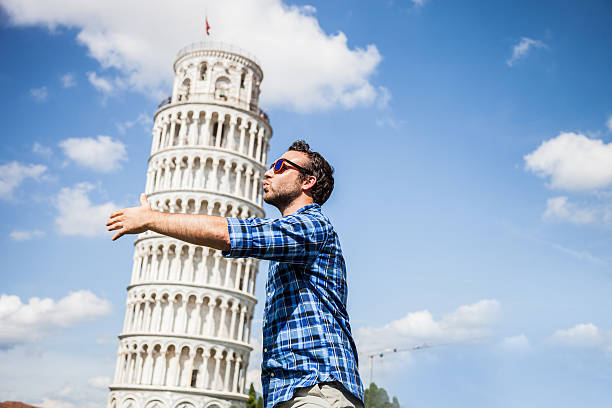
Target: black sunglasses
x=280, y=165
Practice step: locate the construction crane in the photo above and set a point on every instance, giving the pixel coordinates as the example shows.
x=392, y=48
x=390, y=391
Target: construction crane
x=381, y=354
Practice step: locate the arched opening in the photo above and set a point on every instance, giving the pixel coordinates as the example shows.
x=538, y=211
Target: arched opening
x=222, y=87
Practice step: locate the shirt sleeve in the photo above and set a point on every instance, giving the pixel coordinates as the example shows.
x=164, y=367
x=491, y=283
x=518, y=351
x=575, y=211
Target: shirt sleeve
x=297, y=238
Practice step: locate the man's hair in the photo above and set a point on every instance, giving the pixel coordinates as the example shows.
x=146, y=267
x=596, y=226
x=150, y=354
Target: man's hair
x=320, y=168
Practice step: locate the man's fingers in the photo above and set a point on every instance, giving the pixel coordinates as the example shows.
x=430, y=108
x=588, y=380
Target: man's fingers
x=115, y=227
x=116, y=213
x=118, y=235
x=113, y=221
x=143, y=200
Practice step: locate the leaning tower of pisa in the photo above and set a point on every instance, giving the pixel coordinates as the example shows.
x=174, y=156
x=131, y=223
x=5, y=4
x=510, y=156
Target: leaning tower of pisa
x=185, y=339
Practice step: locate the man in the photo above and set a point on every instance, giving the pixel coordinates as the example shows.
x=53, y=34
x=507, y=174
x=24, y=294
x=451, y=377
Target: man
x=309, y=357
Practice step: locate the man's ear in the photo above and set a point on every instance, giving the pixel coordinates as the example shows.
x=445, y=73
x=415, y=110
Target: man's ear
x=308, y=183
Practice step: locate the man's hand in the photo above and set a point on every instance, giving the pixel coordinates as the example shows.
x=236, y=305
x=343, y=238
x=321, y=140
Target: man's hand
x=132, y=220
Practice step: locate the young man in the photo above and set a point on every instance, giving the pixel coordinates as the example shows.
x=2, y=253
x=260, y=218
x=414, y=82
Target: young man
x=309, y=356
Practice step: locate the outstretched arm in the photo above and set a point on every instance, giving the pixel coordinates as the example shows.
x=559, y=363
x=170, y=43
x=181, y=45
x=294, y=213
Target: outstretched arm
x=206, y=230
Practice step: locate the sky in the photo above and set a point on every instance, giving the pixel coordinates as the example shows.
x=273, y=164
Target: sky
x=472, y=148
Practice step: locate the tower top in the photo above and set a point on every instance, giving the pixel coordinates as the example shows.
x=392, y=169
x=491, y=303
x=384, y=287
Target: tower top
x=220, y=48
x=219, y=73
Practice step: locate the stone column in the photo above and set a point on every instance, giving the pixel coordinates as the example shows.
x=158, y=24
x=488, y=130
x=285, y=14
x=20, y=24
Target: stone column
x=242, y=136
x=251, y=140
x=118, y=367
x=219, y=131
x=188, y=174
x=238, y=178
x=164, y=264
x=243, y=312
x=227, y=167
x=173, y=369
x=188, y=274
x=235, y=310
x=145, y=378
x=260, y=135
x=234, y=387
x=218, y=357
x=210, y=324
x=214, y=279
x=183, y=130
x=228, y=364
x=228, y=269
x=203, y=379
x=187, y=369
x=146, y=320
x=207, y=130
x=211, y=183
x=239, y=268
x=231, y=132
x=137, y=368
x=221, y=330
x=247, y=183
x=254, y=189
x=172, y=132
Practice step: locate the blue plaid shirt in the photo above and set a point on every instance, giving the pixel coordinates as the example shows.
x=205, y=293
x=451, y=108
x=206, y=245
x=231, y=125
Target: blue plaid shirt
x=306, y=333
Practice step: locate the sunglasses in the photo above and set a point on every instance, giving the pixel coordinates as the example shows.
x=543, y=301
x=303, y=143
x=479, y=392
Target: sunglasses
x=281, y=164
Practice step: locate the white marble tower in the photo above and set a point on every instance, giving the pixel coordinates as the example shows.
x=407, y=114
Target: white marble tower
x=185, y=340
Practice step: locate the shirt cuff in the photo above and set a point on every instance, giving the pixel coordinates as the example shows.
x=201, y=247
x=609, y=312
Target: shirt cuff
x=241, y=238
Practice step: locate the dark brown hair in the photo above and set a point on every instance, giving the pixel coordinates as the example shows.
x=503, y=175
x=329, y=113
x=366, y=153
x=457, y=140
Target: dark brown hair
x=320, y=168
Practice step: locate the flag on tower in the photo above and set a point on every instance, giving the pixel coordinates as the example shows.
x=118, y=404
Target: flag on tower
x=207, y=27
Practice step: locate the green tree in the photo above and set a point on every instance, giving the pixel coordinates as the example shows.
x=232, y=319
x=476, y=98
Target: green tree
x=376, y=397
x=252, y=401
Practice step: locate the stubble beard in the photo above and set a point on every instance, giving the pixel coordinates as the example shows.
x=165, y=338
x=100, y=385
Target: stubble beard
x=282, y=198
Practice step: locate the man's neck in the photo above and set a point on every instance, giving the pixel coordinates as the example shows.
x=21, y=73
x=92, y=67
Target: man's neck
x=296, y=205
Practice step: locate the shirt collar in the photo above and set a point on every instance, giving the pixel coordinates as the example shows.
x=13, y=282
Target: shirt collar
x=308, y=207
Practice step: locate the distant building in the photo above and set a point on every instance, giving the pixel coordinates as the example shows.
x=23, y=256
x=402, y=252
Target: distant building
x=185, y=340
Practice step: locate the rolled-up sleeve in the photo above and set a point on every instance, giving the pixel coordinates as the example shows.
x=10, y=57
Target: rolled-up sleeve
x=296, y=238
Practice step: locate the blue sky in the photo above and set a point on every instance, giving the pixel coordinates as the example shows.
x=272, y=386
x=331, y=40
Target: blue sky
x=472, y=149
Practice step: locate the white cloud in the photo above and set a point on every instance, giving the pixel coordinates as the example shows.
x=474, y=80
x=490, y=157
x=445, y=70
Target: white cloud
x=105, y=85
x=42, y=150
x=99, y=382
x=68, y=80
x=254, y=377
x=39, y=94
x=519, y=342
x=559, y=208
x=388, y=121
x=581, y=335
x=521, y=49
x=23, y=235
x=468, y=322
x=573, y=162
x=55, y=403
x=143, y=119
x=22, y=323
x=582, y=255
x=384, y=96
x=77, y=215
x=13, y=173
x=102, y=154
x=305, y=67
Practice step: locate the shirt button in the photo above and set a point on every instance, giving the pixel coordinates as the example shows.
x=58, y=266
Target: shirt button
x=265, y=350
x=269, y=294
x=272, y=375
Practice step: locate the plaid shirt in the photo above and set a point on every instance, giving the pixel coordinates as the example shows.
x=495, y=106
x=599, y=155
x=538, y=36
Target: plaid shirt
x=306, y=333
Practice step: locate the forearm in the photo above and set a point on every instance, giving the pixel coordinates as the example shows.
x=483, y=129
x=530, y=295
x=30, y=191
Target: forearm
x=206, y=230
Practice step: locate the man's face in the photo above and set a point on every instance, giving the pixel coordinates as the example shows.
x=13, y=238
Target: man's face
x=280, y=189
